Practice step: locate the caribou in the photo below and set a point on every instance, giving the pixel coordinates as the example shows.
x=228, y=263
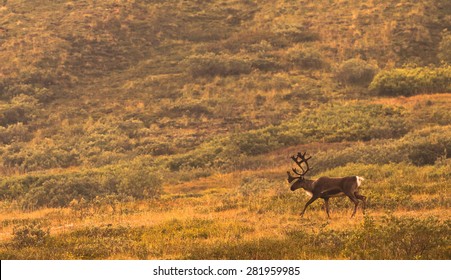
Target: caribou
x=324, y=187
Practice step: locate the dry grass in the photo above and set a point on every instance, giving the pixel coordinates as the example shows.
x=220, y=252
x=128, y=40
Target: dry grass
x=213, y=212
x=412, y=101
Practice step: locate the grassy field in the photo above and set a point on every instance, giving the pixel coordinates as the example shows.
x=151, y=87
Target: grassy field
x=248, y=215
x=164, y=129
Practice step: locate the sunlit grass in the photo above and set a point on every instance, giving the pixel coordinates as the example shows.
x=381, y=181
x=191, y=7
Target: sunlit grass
x=216, y=218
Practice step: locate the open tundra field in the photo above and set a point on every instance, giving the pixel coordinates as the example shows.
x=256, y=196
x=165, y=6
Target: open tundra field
x=247, y=215
x=134, y=129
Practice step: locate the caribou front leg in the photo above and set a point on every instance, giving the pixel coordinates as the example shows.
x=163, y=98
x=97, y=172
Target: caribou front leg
x=363, y=199
x=326, y=203
x=311, y=200
x=356, y=203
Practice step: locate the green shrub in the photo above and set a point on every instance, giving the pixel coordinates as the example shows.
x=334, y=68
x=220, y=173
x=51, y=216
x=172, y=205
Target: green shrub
x=265, y=64
x=427, y=145
x=420, y=147
x=43, y=156
x=399, y=238
x=296, y=34
x=329, y=123
x=60, y=191
x=208, y=154
x=85, y=243
x=32, y=81
x=14, y=133
x=356, y=72
x=129, y=181
x=19, y=109
x=31, y=234
x=193, y=110
x=253, y=40
x=256, y=142
x=138, y=182
x=410, y=81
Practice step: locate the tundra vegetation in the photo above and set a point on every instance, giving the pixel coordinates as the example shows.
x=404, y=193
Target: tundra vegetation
x=135, y=129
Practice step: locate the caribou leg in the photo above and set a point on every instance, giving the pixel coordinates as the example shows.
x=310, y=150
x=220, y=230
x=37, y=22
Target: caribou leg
x=363, y=199
x=355, y=200
x=311, y=200
x=326, y=203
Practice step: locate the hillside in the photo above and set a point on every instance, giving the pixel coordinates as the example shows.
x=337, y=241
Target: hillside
x=139, y=118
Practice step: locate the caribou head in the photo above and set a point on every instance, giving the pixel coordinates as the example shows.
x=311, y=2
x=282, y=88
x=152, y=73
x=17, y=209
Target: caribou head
x=301, y=182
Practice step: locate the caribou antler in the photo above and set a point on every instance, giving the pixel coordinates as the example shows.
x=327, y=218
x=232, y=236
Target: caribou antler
x=299, y=160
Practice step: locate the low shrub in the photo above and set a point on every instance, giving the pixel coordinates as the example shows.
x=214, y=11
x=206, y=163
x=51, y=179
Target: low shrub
x=30, y=235
x=422, y=147
x=14, y=133
x=399, y=238
x=392, y=238
x=356, y=72
x=36, y=191
x=427, y=145
x=19, y=110
x=329, y=123
x=305, y=58
x=84, y=243
x=208, y=154
x=257, y=142
x=296, y=34
x=410, y=81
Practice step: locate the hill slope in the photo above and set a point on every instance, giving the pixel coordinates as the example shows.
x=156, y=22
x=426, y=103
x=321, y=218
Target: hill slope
x=108, y=105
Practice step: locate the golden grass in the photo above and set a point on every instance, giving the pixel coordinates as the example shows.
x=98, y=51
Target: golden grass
x=180, y=202
x=412, y=101
x=220, y=212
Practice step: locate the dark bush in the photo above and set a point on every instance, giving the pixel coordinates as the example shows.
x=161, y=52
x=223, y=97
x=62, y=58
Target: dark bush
x=14, y=133
x=31, y=234
x=18, y=112
x=194, y=110
x=426, y=146
x=207, y=155
x=356, y=72
x=138, y=182
x=305, y=58
x=418, y=147
x=297, y=34
x=256, y=142
x=255, y=40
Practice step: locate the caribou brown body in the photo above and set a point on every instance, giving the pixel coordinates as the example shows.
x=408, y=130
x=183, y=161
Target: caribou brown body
x=325, y=187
